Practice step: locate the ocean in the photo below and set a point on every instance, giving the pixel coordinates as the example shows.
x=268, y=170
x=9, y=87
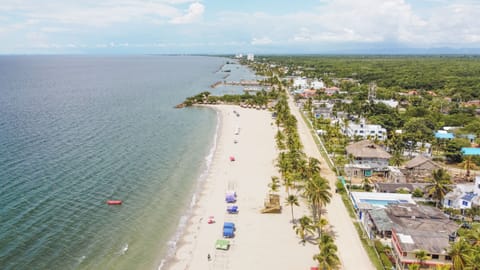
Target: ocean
x=76, y=131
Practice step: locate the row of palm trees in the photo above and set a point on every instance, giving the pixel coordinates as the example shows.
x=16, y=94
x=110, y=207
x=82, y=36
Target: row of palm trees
x=300, y=175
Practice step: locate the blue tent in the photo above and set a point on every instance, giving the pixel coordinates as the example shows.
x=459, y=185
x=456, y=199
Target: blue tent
x=228, y=233
x=229, y=225
x=230, y=198
x=228, y=229
x=232, y=209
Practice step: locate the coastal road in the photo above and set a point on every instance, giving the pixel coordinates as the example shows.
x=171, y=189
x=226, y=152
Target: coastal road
x=350, y=250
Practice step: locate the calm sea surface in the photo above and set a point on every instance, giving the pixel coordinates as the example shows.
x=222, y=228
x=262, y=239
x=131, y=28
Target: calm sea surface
x=76, y=131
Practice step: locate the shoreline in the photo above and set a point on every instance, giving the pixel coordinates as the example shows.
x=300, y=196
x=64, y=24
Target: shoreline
x=186, y=219
x=261, y=240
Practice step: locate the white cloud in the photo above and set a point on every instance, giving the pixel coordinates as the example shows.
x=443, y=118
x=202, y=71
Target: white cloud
x=194, y=13
x=261, y=41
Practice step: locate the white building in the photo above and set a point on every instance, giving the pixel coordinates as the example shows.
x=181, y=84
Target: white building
x=300, y=82
x=365, y=131
x=389, y=102
x=317, y=84
x=463, y=196
x=250, y=57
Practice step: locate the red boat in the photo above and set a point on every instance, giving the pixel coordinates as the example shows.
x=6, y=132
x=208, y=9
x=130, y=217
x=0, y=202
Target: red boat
x=114, y=202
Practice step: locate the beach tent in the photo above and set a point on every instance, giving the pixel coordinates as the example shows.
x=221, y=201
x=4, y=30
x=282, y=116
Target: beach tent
x=228, y=229
x=228, y=233
x=232, y=158
x=232, y=209
x=231, y=197
x=222, y=244
x=230, y=225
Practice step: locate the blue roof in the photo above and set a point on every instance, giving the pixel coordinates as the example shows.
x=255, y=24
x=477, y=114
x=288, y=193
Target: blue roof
x=469, y=196
x=441, y=135
x=472, y=151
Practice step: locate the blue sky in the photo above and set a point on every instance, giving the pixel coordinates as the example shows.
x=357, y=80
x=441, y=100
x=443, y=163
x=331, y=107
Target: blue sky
x=235, y=26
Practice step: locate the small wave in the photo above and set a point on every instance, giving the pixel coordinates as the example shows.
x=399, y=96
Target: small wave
x=172, y=244
x=124, y=250
x=81, y=259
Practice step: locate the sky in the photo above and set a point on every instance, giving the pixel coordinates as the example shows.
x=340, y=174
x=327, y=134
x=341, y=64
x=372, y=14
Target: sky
x=237, y=26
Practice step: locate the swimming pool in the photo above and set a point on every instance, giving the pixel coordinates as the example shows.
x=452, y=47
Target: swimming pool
x=382, y=202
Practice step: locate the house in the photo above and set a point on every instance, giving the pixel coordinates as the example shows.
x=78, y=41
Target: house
x=331, y=90
x=464, y=196
x=419, y=168
x=300, y=83
x=317, y=84
x=323, y=109
x=308, y=93
x=411, y=228
x=389, y=102
x=420, y=227
x=367, y=159
x=365, y=131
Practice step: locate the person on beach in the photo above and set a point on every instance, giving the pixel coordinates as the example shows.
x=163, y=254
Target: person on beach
x=209, y=257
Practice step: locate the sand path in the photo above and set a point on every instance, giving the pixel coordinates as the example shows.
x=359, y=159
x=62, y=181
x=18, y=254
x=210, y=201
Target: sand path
x=351, y=252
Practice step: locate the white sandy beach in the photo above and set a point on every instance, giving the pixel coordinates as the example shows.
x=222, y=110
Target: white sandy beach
x=262, y=241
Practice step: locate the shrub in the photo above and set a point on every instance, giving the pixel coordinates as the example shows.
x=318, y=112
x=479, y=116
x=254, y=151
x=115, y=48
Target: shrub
x=386, y=261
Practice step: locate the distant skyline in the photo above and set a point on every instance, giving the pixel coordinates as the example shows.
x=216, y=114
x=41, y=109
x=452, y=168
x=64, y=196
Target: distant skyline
x=247, y=26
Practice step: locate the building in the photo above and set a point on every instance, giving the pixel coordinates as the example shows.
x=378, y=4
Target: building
x=419, y=168
x=409, y=228
x=365, y=131
x=420, y=227
x=367, y=159
x=331, y=90
x=389, y=102
x=300, y=83
x=464, y=196
x=317, y=84
x=250, y=57
x=323, y=109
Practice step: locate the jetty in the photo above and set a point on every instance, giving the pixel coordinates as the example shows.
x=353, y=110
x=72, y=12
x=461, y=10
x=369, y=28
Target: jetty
x=241, y=83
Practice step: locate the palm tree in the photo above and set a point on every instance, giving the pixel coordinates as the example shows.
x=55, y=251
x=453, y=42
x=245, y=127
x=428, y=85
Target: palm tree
x=460, y=254
x=468, y=165
x=322, y=223
x=443, y=267
x=292, y=200
x=280, y=140
x=317, y=193
x=397, y=158
x=274, y=184
x=475, y=260
x=422, y=256
x=327, y=258
x=366, y=183
x=414, y=266
x=439, y=185
x=303, y=228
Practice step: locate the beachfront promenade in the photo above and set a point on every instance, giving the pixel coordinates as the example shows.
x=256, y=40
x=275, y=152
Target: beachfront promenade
x=350, y=250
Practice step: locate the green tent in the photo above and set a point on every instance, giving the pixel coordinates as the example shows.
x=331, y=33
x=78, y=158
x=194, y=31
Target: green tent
x=222, y=244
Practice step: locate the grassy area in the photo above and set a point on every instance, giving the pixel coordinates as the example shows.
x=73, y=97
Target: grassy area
x=318, y=143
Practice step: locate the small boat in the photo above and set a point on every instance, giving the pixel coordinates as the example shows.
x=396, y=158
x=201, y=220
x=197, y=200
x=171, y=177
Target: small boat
x=114, y=202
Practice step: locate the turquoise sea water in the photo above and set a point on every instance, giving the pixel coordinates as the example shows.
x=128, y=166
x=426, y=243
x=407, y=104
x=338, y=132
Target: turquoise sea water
x=76, y=131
